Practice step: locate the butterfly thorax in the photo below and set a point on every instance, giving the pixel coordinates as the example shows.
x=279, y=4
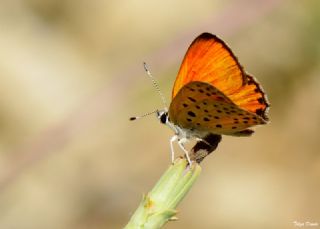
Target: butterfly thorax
x=182, y=133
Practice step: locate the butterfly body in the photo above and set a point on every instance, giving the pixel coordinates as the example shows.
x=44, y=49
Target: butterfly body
x=213, y=95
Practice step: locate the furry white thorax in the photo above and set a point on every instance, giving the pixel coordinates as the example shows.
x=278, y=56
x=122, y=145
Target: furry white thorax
x=163, y=116
x=183, y=135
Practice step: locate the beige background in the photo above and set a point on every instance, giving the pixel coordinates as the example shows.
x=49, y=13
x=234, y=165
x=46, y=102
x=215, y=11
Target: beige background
x=71, y=74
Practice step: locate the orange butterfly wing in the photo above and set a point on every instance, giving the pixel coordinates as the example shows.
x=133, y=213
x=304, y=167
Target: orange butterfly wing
x=200, y=106
x=210, y=60
x=251, y=97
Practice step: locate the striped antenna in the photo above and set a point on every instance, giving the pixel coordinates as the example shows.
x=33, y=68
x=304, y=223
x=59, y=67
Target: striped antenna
x=141, y=116
x=155, y=84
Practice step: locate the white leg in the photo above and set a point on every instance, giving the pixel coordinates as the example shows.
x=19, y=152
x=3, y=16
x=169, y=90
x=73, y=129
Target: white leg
x=172, y=139
x=185, y=151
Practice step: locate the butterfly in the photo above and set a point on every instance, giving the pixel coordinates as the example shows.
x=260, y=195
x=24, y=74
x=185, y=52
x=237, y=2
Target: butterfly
x=213, y=95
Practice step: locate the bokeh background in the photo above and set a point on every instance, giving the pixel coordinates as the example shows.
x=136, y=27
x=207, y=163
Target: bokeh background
x=71, y=74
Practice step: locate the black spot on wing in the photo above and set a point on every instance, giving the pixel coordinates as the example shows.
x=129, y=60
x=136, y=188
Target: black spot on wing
x=261, y=100
x=192, y=99
x=192, y=114
x=259, y=112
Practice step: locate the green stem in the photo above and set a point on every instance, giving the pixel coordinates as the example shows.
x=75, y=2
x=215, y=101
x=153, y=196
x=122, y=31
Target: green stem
x=158, y=206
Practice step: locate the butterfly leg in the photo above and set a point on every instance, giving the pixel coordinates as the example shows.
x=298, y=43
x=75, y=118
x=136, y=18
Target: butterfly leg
x=180, y=143
x=172, y=139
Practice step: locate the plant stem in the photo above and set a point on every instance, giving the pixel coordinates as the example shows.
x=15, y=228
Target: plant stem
x=158, y=206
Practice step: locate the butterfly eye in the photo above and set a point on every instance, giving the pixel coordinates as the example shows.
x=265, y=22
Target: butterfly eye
x=163, y=117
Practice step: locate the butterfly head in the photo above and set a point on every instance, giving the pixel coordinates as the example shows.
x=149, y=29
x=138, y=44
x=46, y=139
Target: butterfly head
x=163, y=116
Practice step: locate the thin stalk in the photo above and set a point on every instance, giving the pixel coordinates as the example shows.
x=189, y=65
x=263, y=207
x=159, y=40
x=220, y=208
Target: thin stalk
x=159, y=205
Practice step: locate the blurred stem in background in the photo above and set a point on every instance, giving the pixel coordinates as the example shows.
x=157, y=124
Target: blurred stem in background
x=158, y=206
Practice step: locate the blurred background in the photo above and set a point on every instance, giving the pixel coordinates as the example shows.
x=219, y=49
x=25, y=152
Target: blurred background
x=71, y=75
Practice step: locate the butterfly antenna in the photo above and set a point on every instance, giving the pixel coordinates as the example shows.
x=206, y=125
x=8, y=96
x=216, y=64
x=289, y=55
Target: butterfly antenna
x=141, y=116
x=155, y=84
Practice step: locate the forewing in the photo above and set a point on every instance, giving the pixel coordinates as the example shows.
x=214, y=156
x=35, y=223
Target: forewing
x=210, y=60
x=251, y=97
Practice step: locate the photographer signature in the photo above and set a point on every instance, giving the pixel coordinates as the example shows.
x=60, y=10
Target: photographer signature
x=305, y=224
